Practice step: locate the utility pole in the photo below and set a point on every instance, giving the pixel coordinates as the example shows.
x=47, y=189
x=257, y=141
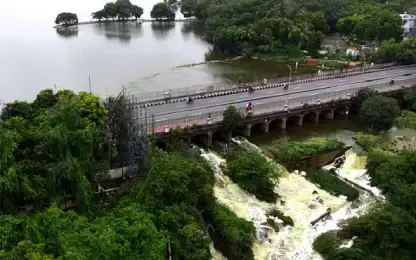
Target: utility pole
x=89, y=81
x=290, y=75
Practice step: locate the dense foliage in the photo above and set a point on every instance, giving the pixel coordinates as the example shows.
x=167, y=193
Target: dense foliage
x=288, y=152
x=122, y=9
x=393, y=51
x=50, y=148
x=271, y=27
x=252, y=172
x=66, y=19
x=332, y=184
x=407, y=119
x=379, y=112
x=232, y=118
x=162, y=11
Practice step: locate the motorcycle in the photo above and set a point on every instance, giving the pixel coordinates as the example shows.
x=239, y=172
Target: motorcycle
x=250, y=90
x=392, y=82
x=286, y=87
x=190, y=101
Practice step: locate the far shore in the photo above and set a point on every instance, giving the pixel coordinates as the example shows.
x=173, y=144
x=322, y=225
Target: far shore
x=128, y=20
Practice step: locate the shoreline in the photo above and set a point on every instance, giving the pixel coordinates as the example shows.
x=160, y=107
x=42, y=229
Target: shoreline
x=128, y=20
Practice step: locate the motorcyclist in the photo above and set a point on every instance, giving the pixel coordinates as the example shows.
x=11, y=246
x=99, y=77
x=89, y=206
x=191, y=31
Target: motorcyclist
x=392, y=81
x=190, y=100
x=250, y=89
x=286, y=86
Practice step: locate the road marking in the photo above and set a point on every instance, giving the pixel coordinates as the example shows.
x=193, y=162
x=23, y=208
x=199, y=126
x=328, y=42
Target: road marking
x=242, y=96
x=212, y=101
x=197, y=114
x=321, y=83
x=297, y=88
x=183, y=106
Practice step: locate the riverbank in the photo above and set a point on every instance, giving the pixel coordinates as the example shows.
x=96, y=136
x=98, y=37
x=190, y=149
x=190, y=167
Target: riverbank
x=128, y=20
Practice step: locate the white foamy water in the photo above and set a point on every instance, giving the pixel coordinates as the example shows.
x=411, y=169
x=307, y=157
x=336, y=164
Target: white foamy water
x=298, y=202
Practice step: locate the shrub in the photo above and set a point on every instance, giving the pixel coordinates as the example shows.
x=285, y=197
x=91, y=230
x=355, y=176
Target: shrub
x=406, y=120
x=369, y=141
x=252, y=172
x=325, y=244
x=234, y=235
x=329, y=182
x=286, y=219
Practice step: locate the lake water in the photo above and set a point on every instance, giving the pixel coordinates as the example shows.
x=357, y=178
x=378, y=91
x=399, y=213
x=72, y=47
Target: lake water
x=146, y=57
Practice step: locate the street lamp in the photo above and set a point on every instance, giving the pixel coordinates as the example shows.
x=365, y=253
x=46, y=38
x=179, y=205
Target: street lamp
x=290, y=76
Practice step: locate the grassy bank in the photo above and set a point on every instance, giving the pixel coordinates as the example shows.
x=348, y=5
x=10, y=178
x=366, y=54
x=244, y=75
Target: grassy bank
x=289, y=153
x=331, y=183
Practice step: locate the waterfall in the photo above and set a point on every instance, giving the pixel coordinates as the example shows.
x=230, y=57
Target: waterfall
x=301, y=200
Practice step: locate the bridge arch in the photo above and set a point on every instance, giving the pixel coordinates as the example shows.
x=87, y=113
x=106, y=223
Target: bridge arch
x=312, y=116
x=277, y=124
x=257, y=128
x=202, y=139
x=342, y=111
x=295, y=120
x=327, y=113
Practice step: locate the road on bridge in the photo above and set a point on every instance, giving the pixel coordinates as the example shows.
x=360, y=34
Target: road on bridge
x=220, y=103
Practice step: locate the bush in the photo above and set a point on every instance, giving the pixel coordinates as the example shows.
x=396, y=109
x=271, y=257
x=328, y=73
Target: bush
x=288, y=152
x=235, y=236
x=332, y=184
x=406, y=120
x=369, y=141
x=232, y=118
x=253, y=173
x=325, y=244
x=286, y=219
x=379, y=112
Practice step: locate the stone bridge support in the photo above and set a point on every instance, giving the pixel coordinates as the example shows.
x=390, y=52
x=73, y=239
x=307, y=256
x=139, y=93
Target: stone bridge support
x=266, y=126
x=328, y=114
x=208, y=140
x=247, y=130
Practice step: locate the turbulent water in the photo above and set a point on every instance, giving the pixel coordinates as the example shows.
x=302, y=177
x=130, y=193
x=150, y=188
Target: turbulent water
x=298, y=202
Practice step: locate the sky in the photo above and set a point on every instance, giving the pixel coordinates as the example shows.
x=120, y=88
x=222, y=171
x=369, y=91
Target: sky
x=45, y=11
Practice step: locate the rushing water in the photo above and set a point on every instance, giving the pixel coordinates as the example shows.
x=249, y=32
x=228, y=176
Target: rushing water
x=297, y=201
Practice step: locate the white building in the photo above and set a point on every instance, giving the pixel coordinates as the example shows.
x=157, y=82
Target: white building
x=409, y=25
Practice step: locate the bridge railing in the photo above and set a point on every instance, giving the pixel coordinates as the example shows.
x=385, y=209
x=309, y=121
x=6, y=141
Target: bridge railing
x=209, y=88
x=282, y=105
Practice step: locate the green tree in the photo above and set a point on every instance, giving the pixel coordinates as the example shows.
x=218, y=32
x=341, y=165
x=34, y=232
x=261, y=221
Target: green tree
x=232, y=118
x=111, y=10
x=347, y=25
x=253, y=173
x=162, y=11
x=379, y=112
x=17, y=109
x=99, y=15
x=136, y=11
x=66, y=19
x=188, y=8
x=123, y=9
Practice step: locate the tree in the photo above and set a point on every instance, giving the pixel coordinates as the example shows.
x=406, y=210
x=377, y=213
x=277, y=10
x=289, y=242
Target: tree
x=162, y=11
x=111, y=10
x=347, y=25
x=232, y=118
x=379, y=112
x=66, y=19
x=124, y=9
x=99, y=15
x=136, y=11
x=188, y=8
x=17, y=109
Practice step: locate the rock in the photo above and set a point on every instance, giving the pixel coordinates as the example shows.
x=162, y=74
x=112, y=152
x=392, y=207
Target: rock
x=312, y=206
x=296, y=172
x=354, y=205
x=282, y=202
x=321, y=201
x=302, y=173
x=314, y=192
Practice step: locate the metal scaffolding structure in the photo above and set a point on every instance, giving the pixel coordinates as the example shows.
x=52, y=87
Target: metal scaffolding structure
x=131, y=128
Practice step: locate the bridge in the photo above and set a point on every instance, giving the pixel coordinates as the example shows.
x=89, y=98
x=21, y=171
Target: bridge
x=306, y=100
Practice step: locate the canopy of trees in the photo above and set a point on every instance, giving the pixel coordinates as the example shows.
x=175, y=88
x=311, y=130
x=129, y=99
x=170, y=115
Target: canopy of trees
x=268, y=26
x=162, y=11
x=121, y=9
x=232, y=118
x=57, y=146
x=66, y=19
x=379, y=112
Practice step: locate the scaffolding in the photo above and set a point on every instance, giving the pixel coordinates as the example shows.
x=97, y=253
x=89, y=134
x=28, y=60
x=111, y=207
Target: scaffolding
x=131, y=127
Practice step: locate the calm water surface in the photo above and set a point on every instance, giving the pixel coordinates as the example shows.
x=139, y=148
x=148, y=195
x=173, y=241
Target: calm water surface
x=146, y=57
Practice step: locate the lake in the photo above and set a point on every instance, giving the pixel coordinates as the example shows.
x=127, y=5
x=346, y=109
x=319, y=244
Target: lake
x=140, y=57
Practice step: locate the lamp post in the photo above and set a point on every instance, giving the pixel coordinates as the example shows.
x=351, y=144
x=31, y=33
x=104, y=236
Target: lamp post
x=290, y=75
